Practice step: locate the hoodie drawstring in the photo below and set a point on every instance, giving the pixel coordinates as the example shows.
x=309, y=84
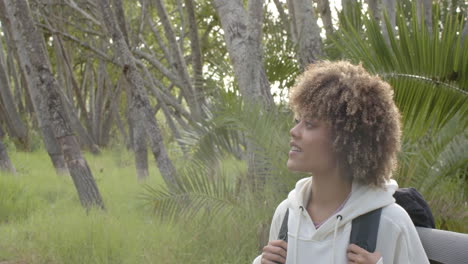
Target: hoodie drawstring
x=296, y=236
x=338, y=219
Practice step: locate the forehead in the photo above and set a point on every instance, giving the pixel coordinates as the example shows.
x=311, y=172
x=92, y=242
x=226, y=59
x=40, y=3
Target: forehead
x=306, y=115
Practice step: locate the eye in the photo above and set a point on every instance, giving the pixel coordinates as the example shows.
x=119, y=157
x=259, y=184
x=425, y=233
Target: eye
x=309, y=124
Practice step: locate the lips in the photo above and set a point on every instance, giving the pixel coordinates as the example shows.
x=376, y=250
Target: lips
x=295, y=147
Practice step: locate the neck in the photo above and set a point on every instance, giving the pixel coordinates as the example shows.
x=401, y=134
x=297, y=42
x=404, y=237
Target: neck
x=329, y=189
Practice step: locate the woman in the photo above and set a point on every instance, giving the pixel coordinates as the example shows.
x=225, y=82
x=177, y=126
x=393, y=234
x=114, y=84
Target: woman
x=347, y=135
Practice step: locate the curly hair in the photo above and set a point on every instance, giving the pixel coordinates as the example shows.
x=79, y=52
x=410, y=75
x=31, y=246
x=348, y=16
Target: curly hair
x=360, y=110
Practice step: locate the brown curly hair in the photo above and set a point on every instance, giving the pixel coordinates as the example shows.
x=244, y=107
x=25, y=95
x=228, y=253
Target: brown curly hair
x=363, y=117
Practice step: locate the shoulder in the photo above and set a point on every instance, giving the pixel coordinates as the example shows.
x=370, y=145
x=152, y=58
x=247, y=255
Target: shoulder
x=281, y=210
x=398, y=237
x=394, y=210
x=396, y=218
x=395, y=214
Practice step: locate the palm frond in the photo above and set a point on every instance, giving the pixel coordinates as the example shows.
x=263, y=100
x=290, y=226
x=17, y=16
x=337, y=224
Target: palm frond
x=201, y=191
x=430, y=83
x=428, y=70
x=437, y=165
x=205, y=187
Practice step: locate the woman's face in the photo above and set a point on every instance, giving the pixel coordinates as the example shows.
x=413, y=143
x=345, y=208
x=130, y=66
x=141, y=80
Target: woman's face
x=311, y=147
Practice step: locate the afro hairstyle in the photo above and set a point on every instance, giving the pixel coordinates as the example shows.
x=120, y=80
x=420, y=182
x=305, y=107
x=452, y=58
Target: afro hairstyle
x=361, y=112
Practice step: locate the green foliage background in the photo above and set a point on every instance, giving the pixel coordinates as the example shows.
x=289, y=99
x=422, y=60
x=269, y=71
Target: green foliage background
x=220, y=215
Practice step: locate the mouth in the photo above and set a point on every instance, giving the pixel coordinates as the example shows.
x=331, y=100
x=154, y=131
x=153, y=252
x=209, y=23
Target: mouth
x=295, y=148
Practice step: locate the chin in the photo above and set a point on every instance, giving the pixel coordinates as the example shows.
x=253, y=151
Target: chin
x=295, y=167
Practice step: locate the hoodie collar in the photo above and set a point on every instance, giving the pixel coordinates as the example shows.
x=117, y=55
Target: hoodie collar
x=362, y=200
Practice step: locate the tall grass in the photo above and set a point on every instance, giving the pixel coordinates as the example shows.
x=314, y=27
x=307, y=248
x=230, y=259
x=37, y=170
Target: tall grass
x=41, y=220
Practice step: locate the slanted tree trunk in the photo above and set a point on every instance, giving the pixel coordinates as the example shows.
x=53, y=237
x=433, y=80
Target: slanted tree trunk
x=114, y=105
x=243, y=35
x=242, y=32
x=375, y=8
x=120, y=15
x=46, y=98
x=139, y=144
x=164, y=105
x=83, y=135
x=307, y=32
x=11, y=71
x=197, y=58
x=179, y=62
x=325, y=13
x=68, y=80
x=141, y=151
x=50, y=142
x=139, y=98
x=283, y=16
x=5, y=162
x=7, y=106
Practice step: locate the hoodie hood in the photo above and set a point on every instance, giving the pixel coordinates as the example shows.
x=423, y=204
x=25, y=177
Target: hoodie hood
x=362, y=199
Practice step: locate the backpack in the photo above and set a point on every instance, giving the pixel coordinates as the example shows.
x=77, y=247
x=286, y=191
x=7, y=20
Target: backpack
x=440, y=246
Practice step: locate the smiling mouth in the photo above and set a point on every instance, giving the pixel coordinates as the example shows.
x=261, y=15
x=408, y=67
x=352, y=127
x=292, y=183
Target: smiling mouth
x=295, y=149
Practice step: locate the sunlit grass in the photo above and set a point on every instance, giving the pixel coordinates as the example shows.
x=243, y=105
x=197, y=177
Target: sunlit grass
x=42, y=221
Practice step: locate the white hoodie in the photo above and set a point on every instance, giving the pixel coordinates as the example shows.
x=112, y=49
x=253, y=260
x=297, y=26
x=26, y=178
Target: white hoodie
x=397, y=238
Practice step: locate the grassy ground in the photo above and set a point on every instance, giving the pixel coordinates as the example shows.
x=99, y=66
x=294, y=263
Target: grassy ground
x=41, y=220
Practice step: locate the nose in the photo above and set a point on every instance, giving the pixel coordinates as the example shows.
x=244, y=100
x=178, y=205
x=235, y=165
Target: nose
x=294, y=132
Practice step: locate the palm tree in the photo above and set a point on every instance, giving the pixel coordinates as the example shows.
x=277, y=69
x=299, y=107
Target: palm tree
x=214, y=179
x=429, y=73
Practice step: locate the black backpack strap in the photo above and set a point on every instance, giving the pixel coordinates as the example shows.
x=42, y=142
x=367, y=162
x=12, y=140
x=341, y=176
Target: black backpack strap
x=363, y=233
x=364, y=230
x=283, y=233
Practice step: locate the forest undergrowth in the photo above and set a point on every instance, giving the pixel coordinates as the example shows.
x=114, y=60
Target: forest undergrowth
x=42, y=221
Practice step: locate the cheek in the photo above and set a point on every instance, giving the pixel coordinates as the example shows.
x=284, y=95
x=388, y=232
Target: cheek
x=321, y=151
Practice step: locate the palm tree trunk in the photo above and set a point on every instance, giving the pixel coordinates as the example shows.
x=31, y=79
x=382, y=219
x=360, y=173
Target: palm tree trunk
x=325, y=14
x=46, y=98
x=197, y=57
x=242, y=33
x=141, y=151
x=83, y=135
x=139, y=99
x=179, y=62
x=307, y=33
x=283, y=16
x=13, y=120
x=120, y=15
x=11, y=69
x=375, y=8
x=50, y=142
x=138, y=144
x=5, y=162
